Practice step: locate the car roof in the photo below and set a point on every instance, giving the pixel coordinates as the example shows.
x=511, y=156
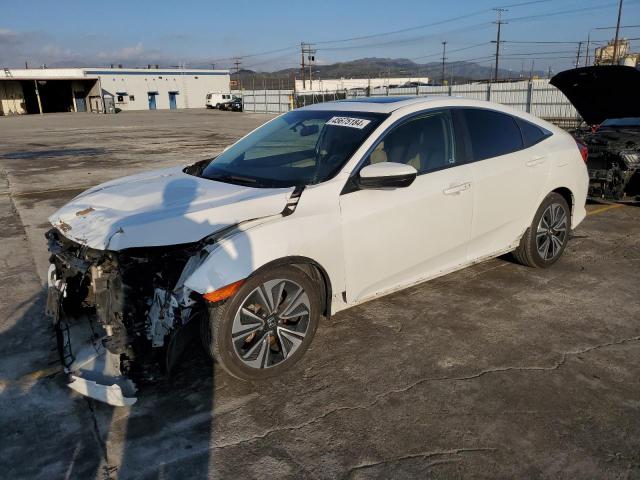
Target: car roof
x=390, y=104
x=371, y=104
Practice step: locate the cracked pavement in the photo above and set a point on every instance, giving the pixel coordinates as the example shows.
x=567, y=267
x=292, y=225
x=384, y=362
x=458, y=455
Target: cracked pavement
x=496, y=371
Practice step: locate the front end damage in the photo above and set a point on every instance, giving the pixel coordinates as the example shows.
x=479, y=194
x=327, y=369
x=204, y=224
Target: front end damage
x=613, y=163
x=122, y=318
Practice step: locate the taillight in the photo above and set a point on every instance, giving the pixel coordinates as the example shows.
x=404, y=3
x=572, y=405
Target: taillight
x=584, y=151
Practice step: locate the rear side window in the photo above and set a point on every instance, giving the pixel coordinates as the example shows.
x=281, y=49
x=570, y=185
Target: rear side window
x=492, y=133
x=531, y=134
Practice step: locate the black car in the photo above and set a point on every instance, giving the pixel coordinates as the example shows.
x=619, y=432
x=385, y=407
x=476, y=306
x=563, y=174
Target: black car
x=234, y=105
x=606, y=96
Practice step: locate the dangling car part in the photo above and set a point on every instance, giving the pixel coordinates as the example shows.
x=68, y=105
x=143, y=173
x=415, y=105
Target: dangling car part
x=320, y=209
x=607, y=99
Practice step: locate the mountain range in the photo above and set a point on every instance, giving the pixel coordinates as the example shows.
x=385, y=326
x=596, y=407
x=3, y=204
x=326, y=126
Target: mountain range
x=373, y=67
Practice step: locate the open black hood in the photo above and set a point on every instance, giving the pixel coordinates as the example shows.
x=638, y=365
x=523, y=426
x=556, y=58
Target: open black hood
x=601, y=92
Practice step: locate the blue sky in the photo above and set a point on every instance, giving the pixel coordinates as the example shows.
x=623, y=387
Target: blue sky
x=204, y=32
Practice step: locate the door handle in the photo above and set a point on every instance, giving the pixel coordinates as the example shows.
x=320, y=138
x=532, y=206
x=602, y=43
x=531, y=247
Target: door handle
x=536, y=160
x=456, y=189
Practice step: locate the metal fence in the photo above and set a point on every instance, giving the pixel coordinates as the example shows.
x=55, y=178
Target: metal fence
x=266, y=101
x=537, y=97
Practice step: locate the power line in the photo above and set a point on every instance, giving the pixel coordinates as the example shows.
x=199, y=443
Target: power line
x=440, y=22
x=564, y=12
x=453, y=51
x=522, y=4
x=404, y=30
x=426, y=25
x=410, y=40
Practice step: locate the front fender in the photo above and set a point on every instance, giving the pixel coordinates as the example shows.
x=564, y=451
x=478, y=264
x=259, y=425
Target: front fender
x=317, y=238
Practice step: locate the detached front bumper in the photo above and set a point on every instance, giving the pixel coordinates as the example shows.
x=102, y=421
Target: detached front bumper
x=92, y=370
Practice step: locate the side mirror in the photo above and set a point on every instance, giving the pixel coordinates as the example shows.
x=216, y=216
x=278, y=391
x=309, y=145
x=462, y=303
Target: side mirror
x=386, y=175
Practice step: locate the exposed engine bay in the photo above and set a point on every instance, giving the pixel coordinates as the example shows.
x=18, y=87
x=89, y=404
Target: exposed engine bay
x=613, y=163
x=606, y=97
x=121, y=318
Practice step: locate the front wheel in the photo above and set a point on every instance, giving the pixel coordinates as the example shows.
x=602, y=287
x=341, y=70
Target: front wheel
x=267, y=326
x=545, y=240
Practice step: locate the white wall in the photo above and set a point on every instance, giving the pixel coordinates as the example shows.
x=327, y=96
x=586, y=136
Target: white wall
x=192, y=86
x=11, y=98
x=37, y=73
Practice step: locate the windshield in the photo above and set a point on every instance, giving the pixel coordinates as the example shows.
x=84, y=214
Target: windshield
x=621, y=122
x=301, y=147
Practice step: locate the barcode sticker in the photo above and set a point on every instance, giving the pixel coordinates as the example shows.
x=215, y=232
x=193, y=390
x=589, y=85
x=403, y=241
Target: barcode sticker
x=358, y=123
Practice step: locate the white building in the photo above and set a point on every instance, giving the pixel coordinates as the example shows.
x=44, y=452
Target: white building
x=99, y=89
x=331, y=84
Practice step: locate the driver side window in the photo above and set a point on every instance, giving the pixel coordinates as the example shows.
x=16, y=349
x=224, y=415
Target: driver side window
x=425, y=142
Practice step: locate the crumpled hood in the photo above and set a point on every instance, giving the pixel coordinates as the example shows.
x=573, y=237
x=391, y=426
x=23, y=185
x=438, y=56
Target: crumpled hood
x=163, y=207
x=601, y=92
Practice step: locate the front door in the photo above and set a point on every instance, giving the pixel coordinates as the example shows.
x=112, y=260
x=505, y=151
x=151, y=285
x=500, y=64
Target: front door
x=396, y=237
x=172, y=100
x=152, y=101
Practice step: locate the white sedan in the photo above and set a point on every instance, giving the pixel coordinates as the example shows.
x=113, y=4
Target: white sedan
x=318, y=210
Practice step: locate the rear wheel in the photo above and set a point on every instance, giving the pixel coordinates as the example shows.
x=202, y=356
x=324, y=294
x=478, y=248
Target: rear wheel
x=545, y=240
x=267, y=326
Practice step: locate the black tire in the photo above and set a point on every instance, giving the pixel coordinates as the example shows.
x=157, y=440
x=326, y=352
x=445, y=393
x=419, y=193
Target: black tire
x=528, y=253
x=217, y=327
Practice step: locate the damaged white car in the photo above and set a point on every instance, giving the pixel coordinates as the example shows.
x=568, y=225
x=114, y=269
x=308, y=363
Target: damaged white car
x=318, y=210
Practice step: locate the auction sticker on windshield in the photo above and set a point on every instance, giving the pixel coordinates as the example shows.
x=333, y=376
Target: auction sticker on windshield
x=352, y=122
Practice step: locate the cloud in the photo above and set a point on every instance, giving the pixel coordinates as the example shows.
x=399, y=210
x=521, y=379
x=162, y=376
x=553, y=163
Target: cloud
x=9, y=37
x=134, y=52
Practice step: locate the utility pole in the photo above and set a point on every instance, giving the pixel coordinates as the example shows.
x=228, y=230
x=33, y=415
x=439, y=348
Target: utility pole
x=237, y=62
x=578, y=55
x=615, y=42
x=311, y=57
x=586, y=57
x=302, y=51
x=444, y=51
x=498, y=22
x=309, y=53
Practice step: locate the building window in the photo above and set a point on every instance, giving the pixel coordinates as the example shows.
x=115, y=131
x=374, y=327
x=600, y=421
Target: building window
x=132, y=97
x=120, y=98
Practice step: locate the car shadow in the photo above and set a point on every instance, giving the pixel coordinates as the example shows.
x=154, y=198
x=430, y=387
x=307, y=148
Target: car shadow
x=168, y=433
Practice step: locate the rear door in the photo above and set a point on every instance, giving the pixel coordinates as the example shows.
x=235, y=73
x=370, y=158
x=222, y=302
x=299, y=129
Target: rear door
x=509, y=178
x=396, y=237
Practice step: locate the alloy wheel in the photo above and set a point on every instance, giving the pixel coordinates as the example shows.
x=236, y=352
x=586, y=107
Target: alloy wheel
x=271, y=323
x=552, y=231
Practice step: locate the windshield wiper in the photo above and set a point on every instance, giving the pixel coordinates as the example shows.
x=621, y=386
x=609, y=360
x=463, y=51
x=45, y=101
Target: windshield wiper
x=234, y=179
